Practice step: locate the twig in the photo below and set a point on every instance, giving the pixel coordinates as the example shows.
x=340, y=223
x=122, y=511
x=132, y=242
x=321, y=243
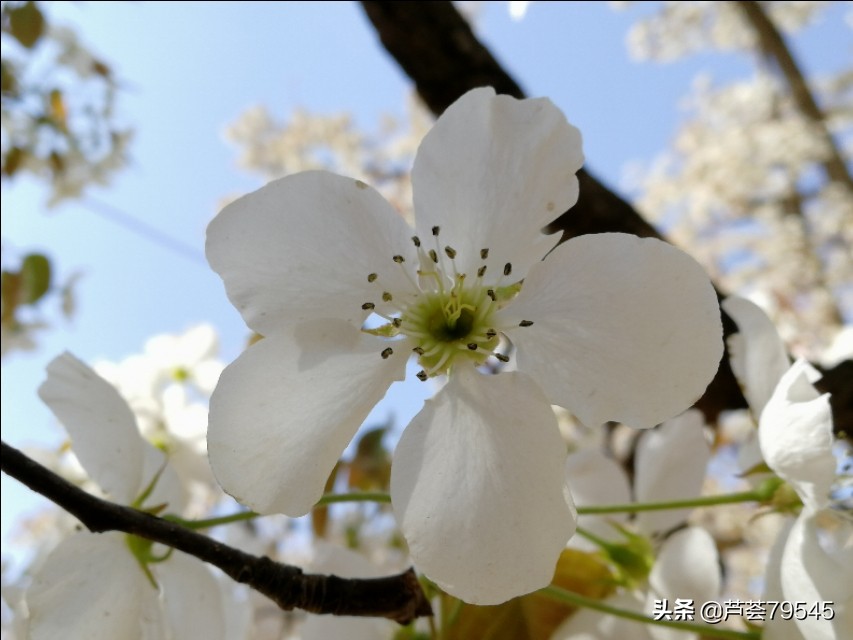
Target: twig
x=398, y=597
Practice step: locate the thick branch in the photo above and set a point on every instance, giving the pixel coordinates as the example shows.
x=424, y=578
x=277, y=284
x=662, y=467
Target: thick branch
x=773, y=47
x=399, y=597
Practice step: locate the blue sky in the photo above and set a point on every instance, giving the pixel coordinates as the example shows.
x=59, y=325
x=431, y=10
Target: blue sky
x=191, y=68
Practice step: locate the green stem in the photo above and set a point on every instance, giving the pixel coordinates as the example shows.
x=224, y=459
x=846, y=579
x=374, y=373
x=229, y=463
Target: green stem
x=329, y=498
x=703, y=501
x=707, y=631
x=358, y=496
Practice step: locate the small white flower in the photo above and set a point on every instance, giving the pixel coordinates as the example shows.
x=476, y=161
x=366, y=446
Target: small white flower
x=610, y=326
x=91, y=586
x=795, y=440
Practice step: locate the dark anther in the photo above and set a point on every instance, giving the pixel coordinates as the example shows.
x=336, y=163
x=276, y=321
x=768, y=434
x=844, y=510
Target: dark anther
x=484, y=253
x=416, y=240
x=386, y=297
x=421, y=375
x=398, y=259
x=435, y=231
x=481, y=271
x=450, y=251
x=525, y=323
x=418, y=350
x=502, y=357
x=472, y=346
x=386, y=353
x=491, y=294
x=371, y=277
x=433, y=255
x=507, y=269
x=397, y=322
x=368, y=305
x=491, y=333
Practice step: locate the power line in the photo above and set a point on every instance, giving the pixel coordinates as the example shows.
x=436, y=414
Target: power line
x=144, y=230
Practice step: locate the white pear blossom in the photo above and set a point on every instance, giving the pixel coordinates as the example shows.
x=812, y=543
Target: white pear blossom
x=92, y=586
x=610, y=326
x=796, y=441
x=670, y=464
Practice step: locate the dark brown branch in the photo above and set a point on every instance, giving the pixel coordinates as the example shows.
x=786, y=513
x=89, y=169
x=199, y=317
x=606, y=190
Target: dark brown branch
x=774, y=49
x=436, y=47
x=398, y=597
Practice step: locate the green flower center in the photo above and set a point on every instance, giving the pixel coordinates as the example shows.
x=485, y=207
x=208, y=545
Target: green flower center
x=448, y=319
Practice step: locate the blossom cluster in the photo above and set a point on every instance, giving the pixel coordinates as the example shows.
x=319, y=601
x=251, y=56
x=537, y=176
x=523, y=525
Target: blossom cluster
x=489, y=500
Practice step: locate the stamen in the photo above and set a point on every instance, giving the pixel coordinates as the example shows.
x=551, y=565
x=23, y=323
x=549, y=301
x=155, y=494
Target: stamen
x=472, y=346
x=416, y=240
x=481, y=271
x=397, y=322
x=433, y=254
x=450, y=251
x=491, y=294
x=484, y=253
x=398, y=259
x=491, y=333
x=421, y=375
x=501, y=357
x=507, y=269
x=367, y=306
x=386, y=353
x=418, y=350
x=435, y=230
x=386, y=297
x=525, y=323
x=371, y=277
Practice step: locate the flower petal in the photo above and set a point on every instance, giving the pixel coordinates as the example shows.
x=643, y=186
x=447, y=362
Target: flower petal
x=688, y=566
x=285, y=410
x=493, y=172
x=795, y=435
x=624, y=328
x=192, y=599
x=670, y=465
x=809, y=574
x=301, y=248
x=597, y=479
x=477, y=485
x=757, y=355
x=102, y=428
x=91, y=587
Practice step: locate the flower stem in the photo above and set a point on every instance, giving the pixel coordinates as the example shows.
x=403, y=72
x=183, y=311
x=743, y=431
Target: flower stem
x=702, y=501
x=707, y=631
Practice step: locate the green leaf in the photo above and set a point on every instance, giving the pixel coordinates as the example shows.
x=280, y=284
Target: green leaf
x=27, y=24
x=35, y=277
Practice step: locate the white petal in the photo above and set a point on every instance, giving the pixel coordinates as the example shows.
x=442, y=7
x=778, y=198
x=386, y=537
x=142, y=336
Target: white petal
x=493, y=172
x=192, y=600
x=795, y=434
x=809, y=574
x=477, y=487
x=102, y=428
x=757, y=355
x=687, y=567
x=301, y=248
x=670, y=465
x=776, y=628
x=92, y=588
x=283, y=414
x=587, y=624
x=624, y=328
x=596, y=479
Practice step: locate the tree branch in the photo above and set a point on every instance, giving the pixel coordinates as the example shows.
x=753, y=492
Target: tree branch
x=774, y=49
x=436, y=47
x=398, y=597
